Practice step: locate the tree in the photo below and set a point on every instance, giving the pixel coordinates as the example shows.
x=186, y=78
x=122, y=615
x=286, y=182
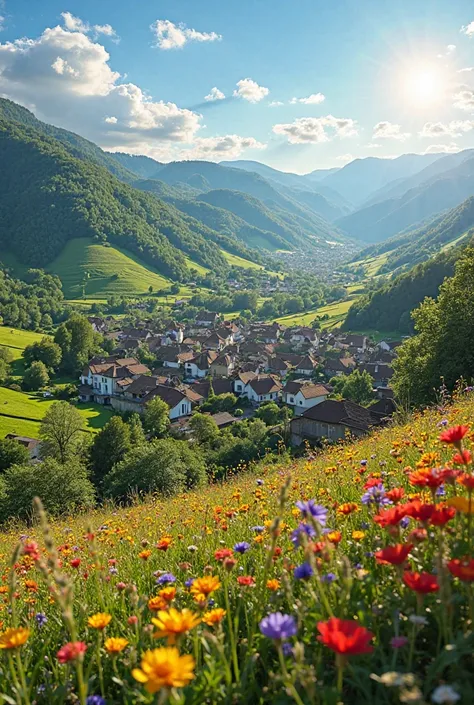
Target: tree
x=76, y=339
x=61, y=487
x=204, y=428
x=109, y=447
x=36, y=377
x=60, y=431
x=358, y=387
x=46, y=351
x=137, y=434
x=443, y=348
x=156, y=420
x=12, y=453
x=271, y=414
x=166, y=466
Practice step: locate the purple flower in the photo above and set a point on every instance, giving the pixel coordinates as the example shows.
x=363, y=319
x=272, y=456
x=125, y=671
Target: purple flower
x=397, y=642
x=303, y=571
x=95, y=700
x=258, y=529
x=440, y=492
x=278, y=626
x=317, y=511
x=41, y=619
x=287, y=649
x=404, y=522
x=376, y=495
x=241, y=547
x=166, y=578
x=302, y=529
x=328, y=578
x=363, y=463
x=259, y=482
x=189, y=582
x=113, y=571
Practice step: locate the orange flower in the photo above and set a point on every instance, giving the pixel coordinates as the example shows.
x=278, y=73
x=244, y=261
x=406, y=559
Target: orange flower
x=214, y=616
x=174, y=623
x=334, y=537
x=99, y=620
x=144, y=555
x=13, y=638
x=347, y=508
x=157, y=603
x=203, y=587
x=273, y=584
x=115, y=644
x=164, y=543
x=168, y=594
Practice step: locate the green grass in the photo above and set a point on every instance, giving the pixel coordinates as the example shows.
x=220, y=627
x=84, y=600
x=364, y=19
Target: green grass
x=336, y=311
x=29, y=409
x=17, y=340
x=202, y=271
x=371, y=265
x=236, y=261
x=110, y=271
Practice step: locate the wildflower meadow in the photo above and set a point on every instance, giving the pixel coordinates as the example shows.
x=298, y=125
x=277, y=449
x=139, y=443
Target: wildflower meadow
x=344, y=577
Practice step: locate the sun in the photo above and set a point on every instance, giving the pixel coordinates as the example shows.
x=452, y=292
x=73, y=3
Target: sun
x=423, y=85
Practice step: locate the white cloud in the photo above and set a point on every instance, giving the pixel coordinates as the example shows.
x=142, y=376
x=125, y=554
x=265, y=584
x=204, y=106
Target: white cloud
x=313, y=99
x=316, y=130
x=455, y=128
x=468, y=69
x=389, y=131
x=464, y=100
x=442, y=148
x=450, y=49
x=111, y=120
x=214, y=94
x=217, y=148
x=345, y=158
x=2, y=23
x=171, y=36
x=75, y=24
x=65, y=77
x=373, y=145
x=250, y=90
x=275, y=104
x=468, y=29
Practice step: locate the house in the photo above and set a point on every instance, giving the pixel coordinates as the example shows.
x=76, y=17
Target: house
x=213, y=342
x=200, y=365
x=241, y=380
x=381, y=373
x=174, y=356
x=207, y=319
x=302, y=336
x=222, y=366
x=32, y=445
x=268, y=332
x=218, y=386
x=339, y=366
x=306, y=366
x=301, y=396
x=332, y=420
x=179, y=403
x=278, y=366
x=101, y=377
x=223, y=419
x=137, y=395
x=384, y=407
x=99, y=325
x=262, y=388
x=355, y=341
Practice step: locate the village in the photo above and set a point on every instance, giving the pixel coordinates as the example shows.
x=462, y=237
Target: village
x=257, y=363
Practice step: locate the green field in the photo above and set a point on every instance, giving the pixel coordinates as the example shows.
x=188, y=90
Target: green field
x=21, y=413
x=236, y=261
x=16, y=340
x=336, y=312
x=371, y=265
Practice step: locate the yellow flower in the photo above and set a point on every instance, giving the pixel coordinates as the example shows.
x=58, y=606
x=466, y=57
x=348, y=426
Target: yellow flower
x=14, y=637
x=461, y=504
x=157, y=603
x=115, y=644
x=214, y=616
x=358, y=535
x=173, y=623
x=203, y=587
x=273, y=584
x=164, y=668
x=99, y=620
x=168, y=594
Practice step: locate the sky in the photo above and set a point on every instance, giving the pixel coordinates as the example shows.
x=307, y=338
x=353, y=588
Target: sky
x=296, y=84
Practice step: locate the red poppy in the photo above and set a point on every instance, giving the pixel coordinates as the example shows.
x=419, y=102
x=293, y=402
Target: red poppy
x=75, y=563
x=394, y=555
x=442, y=515
x=419, y=511
x=31, y=549
x=466, y=481
x=372, y=482
x=428, y=477
x=396, y=494
x=71, y=651
x=417, y=535
x=462, y=568
x=246, y=580
x=422, y=583
x=222, y=553
x=345, y=636
x=390, y=517
x=454, y=435
x=464, y=457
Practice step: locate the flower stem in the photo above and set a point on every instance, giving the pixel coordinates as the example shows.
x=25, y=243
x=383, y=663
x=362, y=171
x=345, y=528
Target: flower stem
x=288, y=683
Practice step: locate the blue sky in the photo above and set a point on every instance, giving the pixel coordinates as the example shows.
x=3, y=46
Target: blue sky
x=308, y=84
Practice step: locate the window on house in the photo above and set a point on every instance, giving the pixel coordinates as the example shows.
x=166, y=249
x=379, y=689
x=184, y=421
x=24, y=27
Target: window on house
x=291, y=400
x=301, y=403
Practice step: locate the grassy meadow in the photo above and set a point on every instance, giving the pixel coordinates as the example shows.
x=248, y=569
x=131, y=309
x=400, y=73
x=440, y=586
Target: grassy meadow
x=336, y=311
x=234, y=593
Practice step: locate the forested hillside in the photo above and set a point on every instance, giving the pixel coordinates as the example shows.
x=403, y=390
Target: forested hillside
x=48, y=197
x=389, y=307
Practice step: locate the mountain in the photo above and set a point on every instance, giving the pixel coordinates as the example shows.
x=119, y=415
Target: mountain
x=316, y=229
x=327, y=202
x=218, y=219
x=359, y=179
x=75, y=145
x=381, y=220
x=142, y=166
x=416, y=245
x=397, y=188
x=48, y=197
x=319, y=174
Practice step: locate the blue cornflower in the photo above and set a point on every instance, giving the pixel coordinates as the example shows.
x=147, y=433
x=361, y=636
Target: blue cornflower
x=404, y=522
x=328, y=578
x=317, y=511
x=189, y=582
x=278, y=626
x=41, y=619
x=363, y=462
x=303, y=571
x=302, y=529
x=95, y=700
x=258, y=529
x=376, y=495
x=166, y=578
x=287, y=649
x=241, y=547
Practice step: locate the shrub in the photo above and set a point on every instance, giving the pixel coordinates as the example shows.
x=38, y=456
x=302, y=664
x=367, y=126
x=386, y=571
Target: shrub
x=36, y=377
x=62, y=488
